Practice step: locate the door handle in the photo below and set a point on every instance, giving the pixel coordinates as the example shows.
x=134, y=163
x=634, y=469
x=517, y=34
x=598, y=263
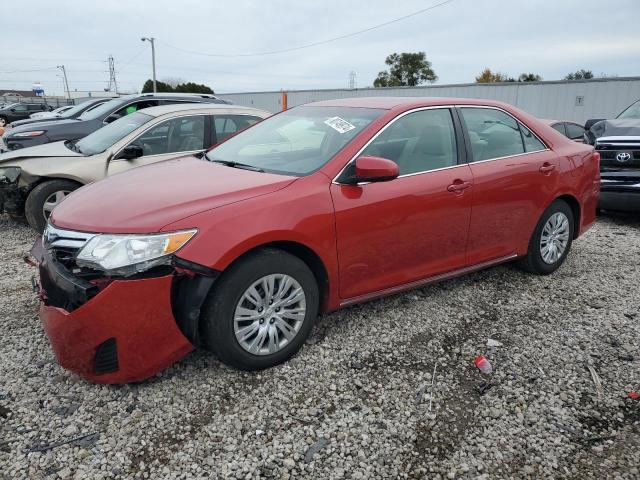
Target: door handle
x=547, y=168
x=458, y=186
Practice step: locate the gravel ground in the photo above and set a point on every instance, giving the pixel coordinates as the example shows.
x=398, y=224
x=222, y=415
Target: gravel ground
x=355, y=403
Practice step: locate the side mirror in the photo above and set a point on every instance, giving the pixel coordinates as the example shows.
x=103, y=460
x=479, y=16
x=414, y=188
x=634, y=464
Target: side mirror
x=372, y=169
x=12, y=109
x=112, y=118
x=591, y=122
x=130, y=152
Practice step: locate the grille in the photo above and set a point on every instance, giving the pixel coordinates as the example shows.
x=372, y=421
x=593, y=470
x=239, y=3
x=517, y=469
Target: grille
x=609, y=151
x=64, y=244
x=106, y=359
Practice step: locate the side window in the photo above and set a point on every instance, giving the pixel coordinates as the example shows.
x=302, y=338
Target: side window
x=531, y=143
x=226, y=125
x=418, y=142
x=20, y=108
x=183, y=134
x=560, y=128
x=134, y=107
x=494, y=134
x=575, y=132
x=35, y=108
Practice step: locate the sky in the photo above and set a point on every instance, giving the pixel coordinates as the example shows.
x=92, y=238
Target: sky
x=460, y=38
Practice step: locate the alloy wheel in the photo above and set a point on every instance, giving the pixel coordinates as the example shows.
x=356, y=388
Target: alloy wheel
x=53, y=201
x=269, y=314
x=554, y=238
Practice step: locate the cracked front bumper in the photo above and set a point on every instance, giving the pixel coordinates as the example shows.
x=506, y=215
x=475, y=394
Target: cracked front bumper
x=124, y=333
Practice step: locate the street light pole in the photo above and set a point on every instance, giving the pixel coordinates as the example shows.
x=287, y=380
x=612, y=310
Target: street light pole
x=153, y=59
x=66, y=83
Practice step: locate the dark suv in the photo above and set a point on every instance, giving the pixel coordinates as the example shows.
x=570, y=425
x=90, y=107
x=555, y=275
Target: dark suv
x=18, y=111
x=93, y=119
x=618, y=142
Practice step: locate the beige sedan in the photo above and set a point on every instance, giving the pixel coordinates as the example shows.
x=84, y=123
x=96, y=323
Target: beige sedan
x=33, y=181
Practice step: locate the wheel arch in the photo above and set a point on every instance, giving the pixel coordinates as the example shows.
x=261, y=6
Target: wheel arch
x=574, y=204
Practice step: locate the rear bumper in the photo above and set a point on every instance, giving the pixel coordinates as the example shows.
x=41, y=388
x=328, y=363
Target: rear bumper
x=123, y=333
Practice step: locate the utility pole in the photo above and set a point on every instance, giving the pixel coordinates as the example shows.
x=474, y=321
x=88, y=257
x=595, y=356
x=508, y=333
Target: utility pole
x=112, y=75
x=66, y=83
x=153, y=59
x=353, y=83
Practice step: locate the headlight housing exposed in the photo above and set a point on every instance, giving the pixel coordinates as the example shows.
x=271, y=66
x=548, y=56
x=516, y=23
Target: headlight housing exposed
x=9, y=175
x=34, y=133
x=130, y=254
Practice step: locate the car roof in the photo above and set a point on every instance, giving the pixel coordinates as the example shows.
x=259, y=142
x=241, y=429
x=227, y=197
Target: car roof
x=389, y=103
x=219, y=108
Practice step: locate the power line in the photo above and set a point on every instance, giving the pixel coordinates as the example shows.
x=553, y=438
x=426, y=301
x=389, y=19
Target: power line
x=309, y=45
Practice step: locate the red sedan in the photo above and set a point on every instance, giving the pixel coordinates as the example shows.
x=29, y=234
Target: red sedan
x=316, y=208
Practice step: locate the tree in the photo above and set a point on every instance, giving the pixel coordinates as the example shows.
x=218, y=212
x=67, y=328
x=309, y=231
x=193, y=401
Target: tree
x=191, y=87
x=188, y=87
x=487, y=76
x=529, y=77
x=161, y=86
x=406, y=70
x=581, y=74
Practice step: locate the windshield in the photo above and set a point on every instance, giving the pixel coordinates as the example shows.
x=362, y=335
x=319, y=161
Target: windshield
x=632, y=111
x=101, y=139
x=72, y=111
x=296, y=142
x=103, y=109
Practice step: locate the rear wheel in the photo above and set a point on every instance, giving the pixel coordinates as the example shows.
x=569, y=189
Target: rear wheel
x=44, y=198
x=551, y=240
x=261, y=310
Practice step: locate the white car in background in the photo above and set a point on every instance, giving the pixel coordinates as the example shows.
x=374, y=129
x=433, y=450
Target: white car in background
x=34, y=180
x=53, y=113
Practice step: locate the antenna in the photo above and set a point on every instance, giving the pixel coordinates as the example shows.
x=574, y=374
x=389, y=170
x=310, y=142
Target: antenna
x=113, y=84
x=353, y=81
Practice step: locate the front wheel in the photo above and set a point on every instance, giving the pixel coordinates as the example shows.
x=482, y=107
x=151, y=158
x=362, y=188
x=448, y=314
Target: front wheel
x=3, y=121
x=44, y=198
x=551, y=240
x=261, y=310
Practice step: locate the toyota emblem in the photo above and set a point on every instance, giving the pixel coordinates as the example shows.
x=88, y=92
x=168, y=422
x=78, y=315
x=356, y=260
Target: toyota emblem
x=623, y=157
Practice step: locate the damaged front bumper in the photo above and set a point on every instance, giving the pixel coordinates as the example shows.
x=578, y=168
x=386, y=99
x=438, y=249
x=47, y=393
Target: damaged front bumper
x=118, y=330
x=620, y=190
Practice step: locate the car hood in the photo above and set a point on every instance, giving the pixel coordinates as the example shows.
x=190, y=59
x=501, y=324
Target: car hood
x=145, y=199
x=624, y=127
x=56, y=149
x=28, y=121
x=44, y=125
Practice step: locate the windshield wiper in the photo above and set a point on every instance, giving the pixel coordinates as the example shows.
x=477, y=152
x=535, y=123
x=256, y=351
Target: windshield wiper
x=244, y=166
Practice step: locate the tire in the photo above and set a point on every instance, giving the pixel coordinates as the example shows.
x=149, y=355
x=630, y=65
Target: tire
x=218, y=323
x=3, y=121
x=34, y=208
x=534, y=261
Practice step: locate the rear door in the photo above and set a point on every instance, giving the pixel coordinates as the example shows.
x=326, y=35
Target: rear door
x=514, y=178
x=415, y=226
x=165, y=140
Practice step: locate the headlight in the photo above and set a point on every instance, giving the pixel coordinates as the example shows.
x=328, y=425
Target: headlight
x=9, y=175
x=130, y=254
x=35, y=133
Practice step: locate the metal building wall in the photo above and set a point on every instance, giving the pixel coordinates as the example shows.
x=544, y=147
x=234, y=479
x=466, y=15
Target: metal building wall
x=575, y=100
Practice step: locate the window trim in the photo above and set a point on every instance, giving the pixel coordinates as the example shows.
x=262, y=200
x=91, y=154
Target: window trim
x=457, y=127
x=129, y=142
x=468, y=141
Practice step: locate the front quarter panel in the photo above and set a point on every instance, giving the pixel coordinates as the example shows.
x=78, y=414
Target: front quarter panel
x=300, y=213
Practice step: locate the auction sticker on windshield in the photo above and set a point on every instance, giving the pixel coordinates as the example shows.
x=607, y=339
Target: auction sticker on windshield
x=339, y=125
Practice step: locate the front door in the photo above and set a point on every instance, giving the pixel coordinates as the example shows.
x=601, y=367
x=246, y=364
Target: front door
x=397, y=232
x=165, y=140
